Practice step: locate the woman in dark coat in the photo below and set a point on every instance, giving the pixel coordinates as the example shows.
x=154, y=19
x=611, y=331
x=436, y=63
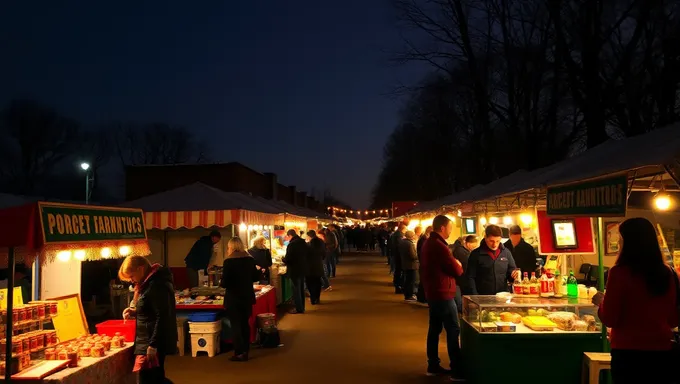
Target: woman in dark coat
x=262, y=256
x=315, y=259
x=156, y=333
x=238, y=274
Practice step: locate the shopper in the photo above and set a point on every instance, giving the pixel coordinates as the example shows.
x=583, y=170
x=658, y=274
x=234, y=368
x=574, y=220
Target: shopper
x=331, y=250
x=461, y=251
x=409, y=265
x=200, y=255
x=296, y=263
x=262, y=257
x=315, y=259
x=490, y=267
x=522, y=252
x=420, y=294
x=156, y=322
x=395, y=239
x=239, y=271
x=438, y=272
x=640, y=307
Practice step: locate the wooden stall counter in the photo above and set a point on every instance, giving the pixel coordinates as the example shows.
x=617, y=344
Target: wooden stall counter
x=114, y=368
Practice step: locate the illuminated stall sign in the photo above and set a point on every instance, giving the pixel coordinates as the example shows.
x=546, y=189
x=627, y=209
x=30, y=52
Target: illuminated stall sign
x=602, y=197
x=62, y=223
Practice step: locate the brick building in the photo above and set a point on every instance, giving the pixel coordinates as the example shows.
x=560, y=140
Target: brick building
x=145, y=180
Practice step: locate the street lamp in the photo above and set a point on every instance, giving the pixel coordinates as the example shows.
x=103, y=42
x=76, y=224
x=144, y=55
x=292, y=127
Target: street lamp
x=86, y=167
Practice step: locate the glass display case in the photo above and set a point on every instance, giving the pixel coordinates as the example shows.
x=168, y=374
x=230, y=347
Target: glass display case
x=530, y=315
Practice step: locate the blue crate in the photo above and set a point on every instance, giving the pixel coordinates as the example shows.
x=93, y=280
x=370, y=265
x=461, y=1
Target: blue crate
x=202, y=317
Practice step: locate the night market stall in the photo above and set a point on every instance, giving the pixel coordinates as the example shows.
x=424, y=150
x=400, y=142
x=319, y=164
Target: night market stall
x=45, y=235
x=177, y=218
x=577, y=205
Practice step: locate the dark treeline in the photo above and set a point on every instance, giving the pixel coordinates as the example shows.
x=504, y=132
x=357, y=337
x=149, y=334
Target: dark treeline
x=40, y=150
x=521, y=84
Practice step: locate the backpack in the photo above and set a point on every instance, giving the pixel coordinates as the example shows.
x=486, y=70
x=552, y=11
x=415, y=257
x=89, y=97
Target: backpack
x=268, y=337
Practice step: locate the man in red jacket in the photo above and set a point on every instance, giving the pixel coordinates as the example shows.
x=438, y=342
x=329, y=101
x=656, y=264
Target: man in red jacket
x=439, y=269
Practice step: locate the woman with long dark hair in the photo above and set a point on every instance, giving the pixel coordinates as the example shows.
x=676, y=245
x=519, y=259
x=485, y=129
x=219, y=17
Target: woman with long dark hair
x=640, y=307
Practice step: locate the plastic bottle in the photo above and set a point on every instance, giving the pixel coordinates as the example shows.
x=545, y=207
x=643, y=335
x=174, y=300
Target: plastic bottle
x=534, y=286
x=525, y=284
x=572, y=285
x=517, y=284
x=546, y=286
x=558, y=284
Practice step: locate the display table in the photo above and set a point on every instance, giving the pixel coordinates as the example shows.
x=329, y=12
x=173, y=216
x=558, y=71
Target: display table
x=552, y=353
x=265, y=302
x=115, y=368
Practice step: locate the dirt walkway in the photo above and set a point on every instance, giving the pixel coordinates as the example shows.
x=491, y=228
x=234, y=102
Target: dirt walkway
x=361, y=333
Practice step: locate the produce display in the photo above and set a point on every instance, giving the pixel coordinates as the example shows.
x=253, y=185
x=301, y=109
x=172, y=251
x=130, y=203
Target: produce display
x=523, y=318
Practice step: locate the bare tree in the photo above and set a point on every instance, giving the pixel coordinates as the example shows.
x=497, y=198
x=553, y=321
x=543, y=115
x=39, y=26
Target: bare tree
x=156, y=143
x=35, y=141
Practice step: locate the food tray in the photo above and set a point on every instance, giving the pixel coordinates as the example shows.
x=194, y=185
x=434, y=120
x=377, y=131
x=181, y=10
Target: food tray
x=538, y=323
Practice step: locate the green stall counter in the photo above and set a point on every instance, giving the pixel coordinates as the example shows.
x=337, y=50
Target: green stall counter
x=557, y=358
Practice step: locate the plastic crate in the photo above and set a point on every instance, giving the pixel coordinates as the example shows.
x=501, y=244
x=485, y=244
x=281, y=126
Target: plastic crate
x=202, y=317
x=205, y=327
x=126, y=328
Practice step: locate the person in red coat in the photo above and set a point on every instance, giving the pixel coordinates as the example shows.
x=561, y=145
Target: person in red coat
x=439, y=269
x=640, y=307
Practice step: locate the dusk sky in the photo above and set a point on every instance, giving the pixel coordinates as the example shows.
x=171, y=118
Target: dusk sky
x=295, y=88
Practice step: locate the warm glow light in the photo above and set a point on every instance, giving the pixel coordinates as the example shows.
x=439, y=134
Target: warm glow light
x=250, y=227
x=124, y=250
x=243, y=227
x=85, y=166
x=79, y=255
x=662, y=202
x=106, y=253
x=482, y=220
x=460, y=213
x=526, y=218
x=507, y=220
x=64, y=256
x=493, y=220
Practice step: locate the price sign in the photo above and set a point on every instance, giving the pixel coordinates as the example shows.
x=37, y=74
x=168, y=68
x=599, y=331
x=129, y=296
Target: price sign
x=17, y=301
x=70, y=321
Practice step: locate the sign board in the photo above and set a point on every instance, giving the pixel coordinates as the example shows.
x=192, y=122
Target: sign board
x=583, y=228
x=70, y=322
x=595, y=198
x=63, y=223
x=18, y=299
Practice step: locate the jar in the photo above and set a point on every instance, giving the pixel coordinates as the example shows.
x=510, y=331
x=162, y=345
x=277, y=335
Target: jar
x=34, y=343
x=107, y=345
x=34, y=312
x=41, y=311
x=62, y=354
x=72, y=357
x=3, y=316
x=26, y=343
x=53, y=308
x=25, y=359
x=84, y=351
x=53, y=338
x=50, y=354
x=17, y=347
x=41, y=340
x=15, y=315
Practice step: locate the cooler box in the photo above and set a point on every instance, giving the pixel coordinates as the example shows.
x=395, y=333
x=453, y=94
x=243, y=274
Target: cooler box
x=126, y=328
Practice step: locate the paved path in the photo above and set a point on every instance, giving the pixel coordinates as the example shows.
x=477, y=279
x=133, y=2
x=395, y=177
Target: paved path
x=361, y=333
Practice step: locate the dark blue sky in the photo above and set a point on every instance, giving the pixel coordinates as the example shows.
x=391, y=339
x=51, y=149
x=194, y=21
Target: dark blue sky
x=296, y=88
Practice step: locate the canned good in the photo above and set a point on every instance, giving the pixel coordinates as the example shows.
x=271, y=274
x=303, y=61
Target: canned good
x=25, y=344
x=53, y=338
x=15, y=315
x=53, y=308
x=22, y=314
x=41, y=311
x=33, y=313
x=17, y=347
x=34, y=343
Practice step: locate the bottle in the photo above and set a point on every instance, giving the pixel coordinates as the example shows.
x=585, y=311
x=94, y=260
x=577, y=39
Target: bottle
x=551, y=283
x=534, y=285
x=545, y=290
x=572, y=285
x=517, y=284
x=558, y=284
x=526, y=284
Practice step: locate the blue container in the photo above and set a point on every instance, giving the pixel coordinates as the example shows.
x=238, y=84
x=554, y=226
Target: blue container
x=202, y=317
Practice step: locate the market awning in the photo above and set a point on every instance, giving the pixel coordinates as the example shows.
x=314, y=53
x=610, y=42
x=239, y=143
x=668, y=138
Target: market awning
x=201, y=206
x=44, y=230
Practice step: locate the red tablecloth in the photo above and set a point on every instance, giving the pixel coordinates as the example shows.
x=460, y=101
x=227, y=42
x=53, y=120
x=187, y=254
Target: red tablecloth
x=266, y=303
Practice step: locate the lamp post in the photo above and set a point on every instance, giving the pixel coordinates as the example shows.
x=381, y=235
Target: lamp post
x=86, y=167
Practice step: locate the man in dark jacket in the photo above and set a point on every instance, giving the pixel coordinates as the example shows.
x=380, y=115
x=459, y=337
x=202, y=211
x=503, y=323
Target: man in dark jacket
x=383, y=235
x=315, y=257
x=523, y=253
x=461, y=251
x=438, y=270
x=409, y=264
x=296, y=263
x=395, y=239
x=491, y=266
x=331, y=252
x=199, y=256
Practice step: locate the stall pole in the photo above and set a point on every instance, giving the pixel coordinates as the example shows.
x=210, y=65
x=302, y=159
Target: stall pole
x=10, y=317
x=600, y=274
